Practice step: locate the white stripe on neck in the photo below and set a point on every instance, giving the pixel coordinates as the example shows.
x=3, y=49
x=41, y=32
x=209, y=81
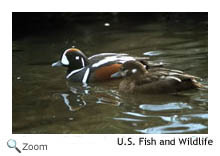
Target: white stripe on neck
x=73, y=72
x=86, y=76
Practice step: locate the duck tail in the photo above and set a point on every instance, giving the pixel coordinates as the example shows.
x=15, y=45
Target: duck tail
x=198, y=84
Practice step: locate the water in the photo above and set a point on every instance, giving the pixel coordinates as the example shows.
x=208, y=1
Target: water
x=44, y=102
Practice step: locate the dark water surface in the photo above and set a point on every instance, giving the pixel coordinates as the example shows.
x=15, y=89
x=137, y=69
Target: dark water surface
x=44, y=102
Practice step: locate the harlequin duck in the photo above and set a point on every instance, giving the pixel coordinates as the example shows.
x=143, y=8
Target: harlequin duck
x=152, y=81
x=98, y=67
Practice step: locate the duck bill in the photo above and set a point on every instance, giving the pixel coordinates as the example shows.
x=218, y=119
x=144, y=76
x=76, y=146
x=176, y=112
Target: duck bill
x=117, y=75
x=57, y=64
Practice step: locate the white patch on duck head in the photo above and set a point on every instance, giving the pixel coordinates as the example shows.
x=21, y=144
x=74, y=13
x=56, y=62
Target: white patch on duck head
x=134, y=70
x=77, y=57
x=124, y=72
x=64, y=59
x=81, y=59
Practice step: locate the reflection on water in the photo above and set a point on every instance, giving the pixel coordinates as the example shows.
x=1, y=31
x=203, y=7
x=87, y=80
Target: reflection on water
x=169, y=106
x=152, y=53
x=174, y=128
x=43, y=102
x=176, y=125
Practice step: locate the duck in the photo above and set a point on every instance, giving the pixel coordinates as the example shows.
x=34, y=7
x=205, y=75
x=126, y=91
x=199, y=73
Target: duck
x=138, y=79
x=96, y=68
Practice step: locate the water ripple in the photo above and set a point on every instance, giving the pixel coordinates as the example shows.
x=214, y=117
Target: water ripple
x=152, y=53
x=135, y=114
x=128, y=119
x=173, y=128
x=169, y=106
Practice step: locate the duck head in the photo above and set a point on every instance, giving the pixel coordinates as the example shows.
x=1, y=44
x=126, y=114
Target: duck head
x=73, y=59
x=130, y=69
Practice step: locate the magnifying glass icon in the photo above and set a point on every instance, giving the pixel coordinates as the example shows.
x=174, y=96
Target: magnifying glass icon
x=12, y=144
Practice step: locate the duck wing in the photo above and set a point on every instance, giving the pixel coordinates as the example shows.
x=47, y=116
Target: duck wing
x=166, y=81
x=102, y=59
x=171, y=72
